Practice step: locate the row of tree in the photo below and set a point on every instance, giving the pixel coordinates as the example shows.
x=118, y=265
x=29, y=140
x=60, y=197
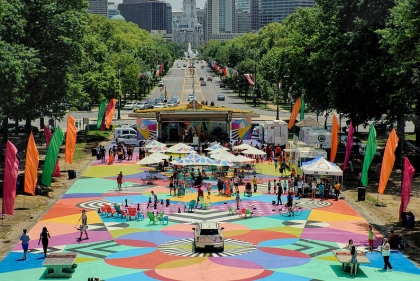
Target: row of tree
x=359, y=57
x=54, y=55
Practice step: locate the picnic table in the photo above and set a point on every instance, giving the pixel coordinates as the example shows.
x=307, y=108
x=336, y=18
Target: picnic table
x=344, y=256
x=61, y=265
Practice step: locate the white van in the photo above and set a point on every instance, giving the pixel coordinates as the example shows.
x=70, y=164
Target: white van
x=123, y=131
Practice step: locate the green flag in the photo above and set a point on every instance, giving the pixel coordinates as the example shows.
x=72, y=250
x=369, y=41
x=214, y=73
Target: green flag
x=369, y=154
x=52, y=155
x=101, y=113
x=302, y=109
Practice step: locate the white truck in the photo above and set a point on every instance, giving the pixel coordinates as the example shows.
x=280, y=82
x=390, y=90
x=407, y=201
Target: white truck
x=315, y=136
x=273, y=132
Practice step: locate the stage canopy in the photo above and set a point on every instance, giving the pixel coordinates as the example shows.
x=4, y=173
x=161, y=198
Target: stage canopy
x=320, y=166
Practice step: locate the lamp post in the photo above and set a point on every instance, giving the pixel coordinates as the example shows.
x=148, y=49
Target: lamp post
x=277, y=104
x=119, y=94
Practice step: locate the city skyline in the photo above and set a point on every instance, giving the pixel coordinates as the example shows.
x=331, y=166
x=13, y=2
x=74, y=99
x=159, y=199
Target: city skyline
x=177, y=4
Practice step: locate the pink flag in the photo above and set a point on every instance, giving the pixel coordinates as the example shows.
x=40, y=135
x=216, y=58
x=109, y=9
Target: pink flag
x=11, y=170
x=349, y=145
x=249, y=78
x=48, y=135
x=406, y=185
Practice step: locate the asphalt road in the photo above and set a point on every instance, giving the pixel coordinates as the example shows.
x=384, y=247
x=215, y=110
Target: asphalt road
x=179, y=82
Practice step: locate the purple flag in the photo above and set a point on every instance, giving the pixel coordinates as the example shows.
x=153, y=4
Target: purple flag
x=406, y=185
x=349, y=145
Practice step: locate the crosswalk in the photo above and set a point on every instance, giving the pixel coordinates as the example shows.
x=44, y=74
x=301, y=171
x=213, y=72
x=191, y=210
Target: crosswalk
x=203, y=215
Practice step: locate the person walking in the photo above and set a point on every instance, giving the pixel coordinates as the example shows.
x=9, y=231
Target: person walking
x=83, y=226
x=336, y=190
x=313, y=189
x=275, y=186
x=238, y=199
x=269, y=186
x=25, y=243
x=290, y=204
x=120, y=180
x=370, y=238
x=254, y=183
x=279, y=197
x=353, y=261
x=386, y=252
x=321, y=191
x=44, y=238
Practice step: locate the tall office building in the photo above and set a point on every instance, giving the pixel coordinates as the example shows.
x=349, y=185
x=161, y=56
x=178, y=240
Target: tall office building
x=98, y=7
x=219, y=20
x=186, y=28
x=243, y=5
x=264, y=12
x=243, y=21
x=148, y=14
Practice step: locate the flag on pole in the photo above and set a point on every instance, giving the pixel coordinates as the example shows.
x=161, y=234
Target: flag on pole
x=11, y=170
x=48, y=136
x=101, y=113
x=31, y=166
x=294, y=113
x=388, y=160
x=302, y=110
x=369, y=154
x=70, y=140
x=110, y=114
x=249, y=78
x=349, y=145
x=52, y=155
x=408, y=173
x=334, y=138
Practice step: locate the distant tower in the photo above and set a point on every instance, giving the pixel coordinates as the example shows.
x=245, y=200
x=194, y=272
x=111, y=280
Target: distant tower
x=188, y=30
x=189, y=16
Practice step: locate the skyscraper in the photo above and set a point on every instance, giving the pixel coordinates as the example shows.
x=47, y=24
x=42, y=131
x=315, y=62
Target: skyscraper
x=98, y=7
x=187, y=29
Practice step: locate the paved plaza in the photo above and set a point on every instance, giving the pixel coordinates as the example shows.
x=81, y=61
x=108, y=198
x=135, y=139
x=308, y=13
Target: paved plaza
x=267, y=246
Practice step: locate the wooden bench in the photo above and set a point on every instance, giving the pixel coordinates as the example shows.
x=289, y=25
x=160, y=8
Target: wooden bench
x=60, y=265
x=344, y=256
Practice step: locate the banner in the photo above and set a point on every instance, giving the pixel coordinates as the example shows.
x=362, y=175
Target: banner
x=101, y=114
x=48, y=136
x=107, y=111
x=110, y=114
x=388, y=160
x=334, y=138
x=51, y=157
x=294, y=113
x=302, y=110
x=31, y=166
x=349, y=145
x=249, y=78
x=369, y=154
x=11, y=169
x=70, y=140
x=408, y=173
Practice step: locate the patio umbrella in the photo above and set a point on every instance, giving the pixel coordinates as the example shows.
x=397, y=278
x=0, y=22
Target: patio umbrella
x=149, y=160
x=182, y=162
x=178, y=146
x=193, y=157
x=158, y=149
x=216, y=146
x=154, y=143
x=254, y=151
x=217, y=150
x=203, y=161
x=159, y=155
x=243, y=146
x=224, y=155
x=221, y=162
x=241, y=159
x=184, y=150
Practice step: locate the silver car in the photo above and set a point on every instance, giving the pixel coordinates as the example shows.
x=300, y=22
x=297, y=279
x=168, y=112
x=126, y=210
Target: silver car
x=142, y=105
x=129, y=105
x=208, y=235
x=128, y=139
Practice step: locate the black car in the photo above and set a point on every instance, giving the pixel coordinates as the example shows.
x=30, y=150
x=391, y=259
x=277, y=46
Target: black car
x=222, y=85
x=221, y=97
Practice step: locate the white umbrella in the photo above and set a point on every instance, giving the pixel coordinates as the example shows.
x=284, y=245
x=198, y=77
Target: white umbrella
x=224, y=155
x=178, y=146
x=159, y=155
x=183, y=162
x=243, y=146
x=241, y=159
x=149, y=160
x=203, y=161
x=184, y=150
x=254, y=151
x=216, y=146
x=218, y=150
x=154, y=143
x=158, y=149
x=221, y=162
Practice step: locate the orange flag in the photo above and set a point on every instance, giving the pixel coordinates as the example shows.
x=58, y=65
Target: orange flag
x=31, y=166
x=70, y=139
x=334, y=138
x=108, y=118
x=388, y=160
x=294, y=113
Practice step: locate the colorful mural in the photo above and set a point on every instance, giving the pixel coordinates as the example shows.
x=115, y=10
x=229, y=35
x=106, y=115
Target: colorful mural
x=146, y=129
x=241, y=129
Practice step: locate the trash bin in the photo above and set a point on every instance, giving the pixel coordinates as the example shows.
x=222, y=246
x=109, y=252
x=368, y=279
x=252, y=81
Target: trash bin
x=94, y=152
x=404, y=218
x=361, y=193
x=410, y=220
x=72, y=174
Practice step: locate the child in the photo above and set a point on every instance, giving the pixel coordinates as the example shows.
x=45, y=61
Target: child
x=238, y=199
x=370, y=238
x=25, y=243
x=208, y=190
x=254, y=183
x=269, y=186
x=83, y=227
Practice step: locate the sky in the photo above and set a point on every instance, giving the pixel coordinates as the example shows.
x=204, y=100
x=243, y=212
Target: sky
x=177, y=4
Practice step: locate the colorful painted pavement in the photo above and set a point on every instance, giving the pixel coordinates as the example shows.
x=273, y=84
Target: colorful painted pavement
x=267, y=246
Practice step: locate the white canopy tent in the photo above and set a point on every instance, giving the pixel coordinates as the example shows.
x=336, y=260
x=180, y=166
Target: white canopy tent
x=320, y=166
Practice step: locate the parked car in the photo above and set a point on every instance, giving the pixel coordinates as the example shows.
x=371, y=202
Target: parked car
x=142, y=105
x=176, y=98
x=159, y=105
x=203, y=83
x=222, y=85
x=171, y=103
x=21, y=129
x=152, y=104
x=221, y=97
x=128, y=139
x=129, y=105
x=158, y=100
x=161, y=84
x=208, y=235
